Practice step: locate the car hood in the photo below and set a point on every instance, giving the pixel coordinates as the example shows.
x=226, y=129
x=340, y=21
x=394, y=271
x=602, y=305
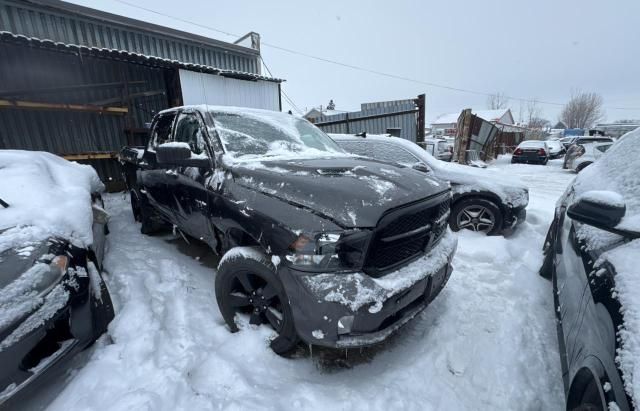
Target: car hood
x=20, y=268
x=351, y=191
x=467, y=179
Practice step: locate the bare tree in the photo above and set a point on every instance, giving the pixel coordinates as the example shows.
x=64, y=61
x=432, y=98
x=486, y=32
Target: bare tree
x=538, y=123
x=497, y=101
x=583, y=110
x=533, y=111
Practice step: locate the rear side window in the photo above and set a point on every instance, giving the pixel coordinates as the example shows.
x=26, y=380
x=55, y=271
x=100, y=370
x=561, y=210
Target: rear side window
x=603, y=148
x=189, y=130
x=380, y=151
x=161, y=132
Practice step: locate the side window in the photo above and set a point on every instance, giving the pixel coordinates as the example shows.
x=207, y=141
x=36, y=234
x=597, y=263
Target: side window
x=602, y=148
x=161, y=132
x=394, y=153
x=189, y=130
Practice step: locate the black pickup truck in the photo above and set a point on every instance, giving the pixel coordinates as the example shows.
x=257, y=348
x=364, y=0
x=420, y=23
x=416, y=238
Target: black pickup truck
x=324, y=246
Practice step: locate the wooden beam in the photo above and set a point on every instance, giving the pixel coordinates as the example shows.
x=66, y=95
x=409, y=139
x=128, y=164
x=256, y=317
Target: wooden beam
x=34, y=105
x=31, y=91
x=102, y=155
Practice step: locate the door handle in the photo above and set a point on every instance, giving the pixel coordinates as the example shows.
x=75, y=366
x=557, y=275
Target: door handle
x=171, y=173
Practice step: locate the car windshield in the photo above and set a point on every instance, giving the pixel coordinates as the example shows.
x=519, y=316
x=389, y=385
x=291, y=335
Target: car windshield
x=250, y=134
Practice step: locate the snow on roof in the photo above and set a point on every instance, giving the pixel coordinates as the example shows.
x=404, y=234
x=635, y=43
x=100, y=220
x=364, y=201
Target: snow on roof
x=47, y=196
x=489, y=115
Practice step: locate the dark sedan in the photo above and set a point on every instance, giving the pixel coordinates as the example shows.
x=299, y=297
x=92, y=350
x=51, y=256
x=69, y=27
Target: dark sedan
x=531, y=152
x=591, y=254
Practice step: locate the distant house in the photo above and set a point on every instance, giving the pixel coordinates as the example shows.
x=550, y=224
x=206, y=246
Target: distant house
x=318, y=112
x=447, y=124
x=559, y=126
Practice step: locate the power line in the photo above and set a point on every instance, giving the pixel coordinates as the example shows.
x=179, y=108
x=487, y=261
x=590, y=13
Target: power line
x=360, y=68
x=281, y=89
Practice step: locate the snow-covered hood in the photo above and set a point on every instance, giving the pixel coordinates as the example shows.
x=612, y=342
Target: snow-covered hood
x=465, y=179
x=47, y=196
x=353, y=192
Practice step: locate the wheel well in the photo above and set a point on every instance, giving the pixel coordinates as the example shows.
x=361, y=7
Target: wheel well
x=584, y=388
x=480, y=195
x=236, y=237
x=582, y=166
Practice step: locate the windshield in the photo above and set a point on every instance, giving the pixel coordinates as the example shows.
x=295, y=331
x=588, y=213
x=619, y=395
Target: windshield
x=254, y=134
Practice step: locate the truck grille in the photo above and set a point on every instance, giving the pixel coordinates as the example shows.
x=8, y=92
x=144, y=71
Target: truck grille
x=406, y=233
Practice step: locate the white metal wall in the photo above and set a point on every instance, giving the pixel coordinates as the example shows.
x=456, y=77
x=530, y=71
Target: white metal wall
x=203, y=88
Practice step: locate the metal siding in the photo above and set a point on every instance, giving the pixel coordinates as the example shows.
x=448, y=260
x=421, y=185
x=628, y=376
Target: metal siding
x=65, y=132
x=202, y=88
x=406, y=122
x=36, y=21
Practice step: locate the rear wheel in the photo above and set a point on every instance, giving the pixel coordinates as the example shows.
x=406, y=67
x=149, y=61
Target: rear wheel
x=245, y=285
x=476, y=214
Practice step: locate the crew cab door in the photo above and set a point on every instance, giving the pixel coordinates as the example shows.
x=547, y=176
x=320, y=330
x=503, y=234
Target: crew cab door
x=153, y=177
x=186, y=185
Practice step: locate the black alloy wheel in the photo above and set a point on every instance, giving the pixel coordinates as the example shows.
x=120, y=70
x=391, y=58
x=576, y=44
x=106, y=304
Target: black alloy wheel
x=247, y=286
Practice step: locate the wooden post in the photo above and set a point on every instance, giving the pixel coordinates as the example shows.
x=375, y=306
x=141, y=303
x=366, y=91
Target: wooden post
x=421, y=103
x=463, y=135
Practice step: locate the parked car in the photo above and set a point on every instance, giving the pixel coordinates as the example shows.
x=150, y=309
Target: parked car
x=439, y=148
x=585, y=155
x=336, y=250
x=483, y=200
x=531, y=152
x=575, y=149
x=556, y=149
x=591, y=254
x=53, y=300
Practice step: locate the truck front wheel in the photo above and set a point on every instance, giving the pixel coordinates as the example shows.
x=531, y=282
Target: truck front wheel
x=246, y=284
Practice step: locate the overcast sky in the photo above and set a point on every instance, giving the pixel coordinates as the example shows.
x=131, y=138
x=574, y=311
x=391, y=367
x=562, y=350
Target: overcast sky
x=533, y=49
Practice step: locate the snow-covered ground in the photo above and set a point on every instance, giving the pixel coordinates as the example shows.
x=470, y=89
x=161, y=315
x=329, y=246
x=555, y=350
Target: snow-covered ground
x=487, y=342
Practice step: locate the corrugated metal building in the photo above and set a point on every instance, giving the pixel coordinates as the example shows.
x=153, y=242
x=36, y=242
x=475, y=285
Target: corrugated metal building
x=401, y=118
x=82, y=83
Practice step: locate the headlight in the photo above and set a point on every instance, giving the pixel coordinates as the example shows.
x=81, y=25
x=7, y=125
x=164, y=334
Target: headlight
x=51, y=276
x=328, y=251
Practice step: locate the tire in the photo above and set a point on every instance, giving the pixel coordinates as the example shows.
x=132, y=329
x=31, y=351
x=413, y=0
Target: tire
x=150, y=222
x=101, y=309
x=469, y=213
x=243, y=285
x=588, y=399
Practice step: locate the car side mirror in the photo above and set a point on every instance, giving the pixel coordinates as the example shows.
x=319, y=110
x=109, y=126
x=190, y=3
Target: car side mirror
x=601, y=209
x=180, y=154
x=420, y=167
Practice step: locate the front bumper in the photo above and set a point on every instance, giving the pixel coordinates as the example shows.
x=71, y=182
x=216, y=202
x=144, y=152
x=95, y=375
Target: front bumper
x=346, y=310
x=513, y=217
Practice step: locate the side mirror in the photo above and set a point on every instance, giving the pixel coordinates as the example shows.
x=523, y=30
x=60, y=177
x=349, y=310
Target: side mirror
x=420, y=167
x=179, y=154
x=601, y=209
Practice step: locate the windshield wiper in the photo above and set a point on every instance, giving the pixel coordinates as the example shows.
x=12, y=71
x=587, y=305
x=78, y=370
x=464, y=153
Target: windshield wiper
x=3, y=203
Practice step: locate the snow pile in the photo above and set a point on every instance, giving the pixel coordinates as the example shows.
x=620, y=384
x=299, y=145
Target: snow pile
x=603, y=197
x=47, y=196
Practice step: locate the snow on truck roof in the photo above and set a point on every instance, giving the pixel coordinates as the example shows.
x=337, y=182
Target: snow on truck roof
x=47, y=196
